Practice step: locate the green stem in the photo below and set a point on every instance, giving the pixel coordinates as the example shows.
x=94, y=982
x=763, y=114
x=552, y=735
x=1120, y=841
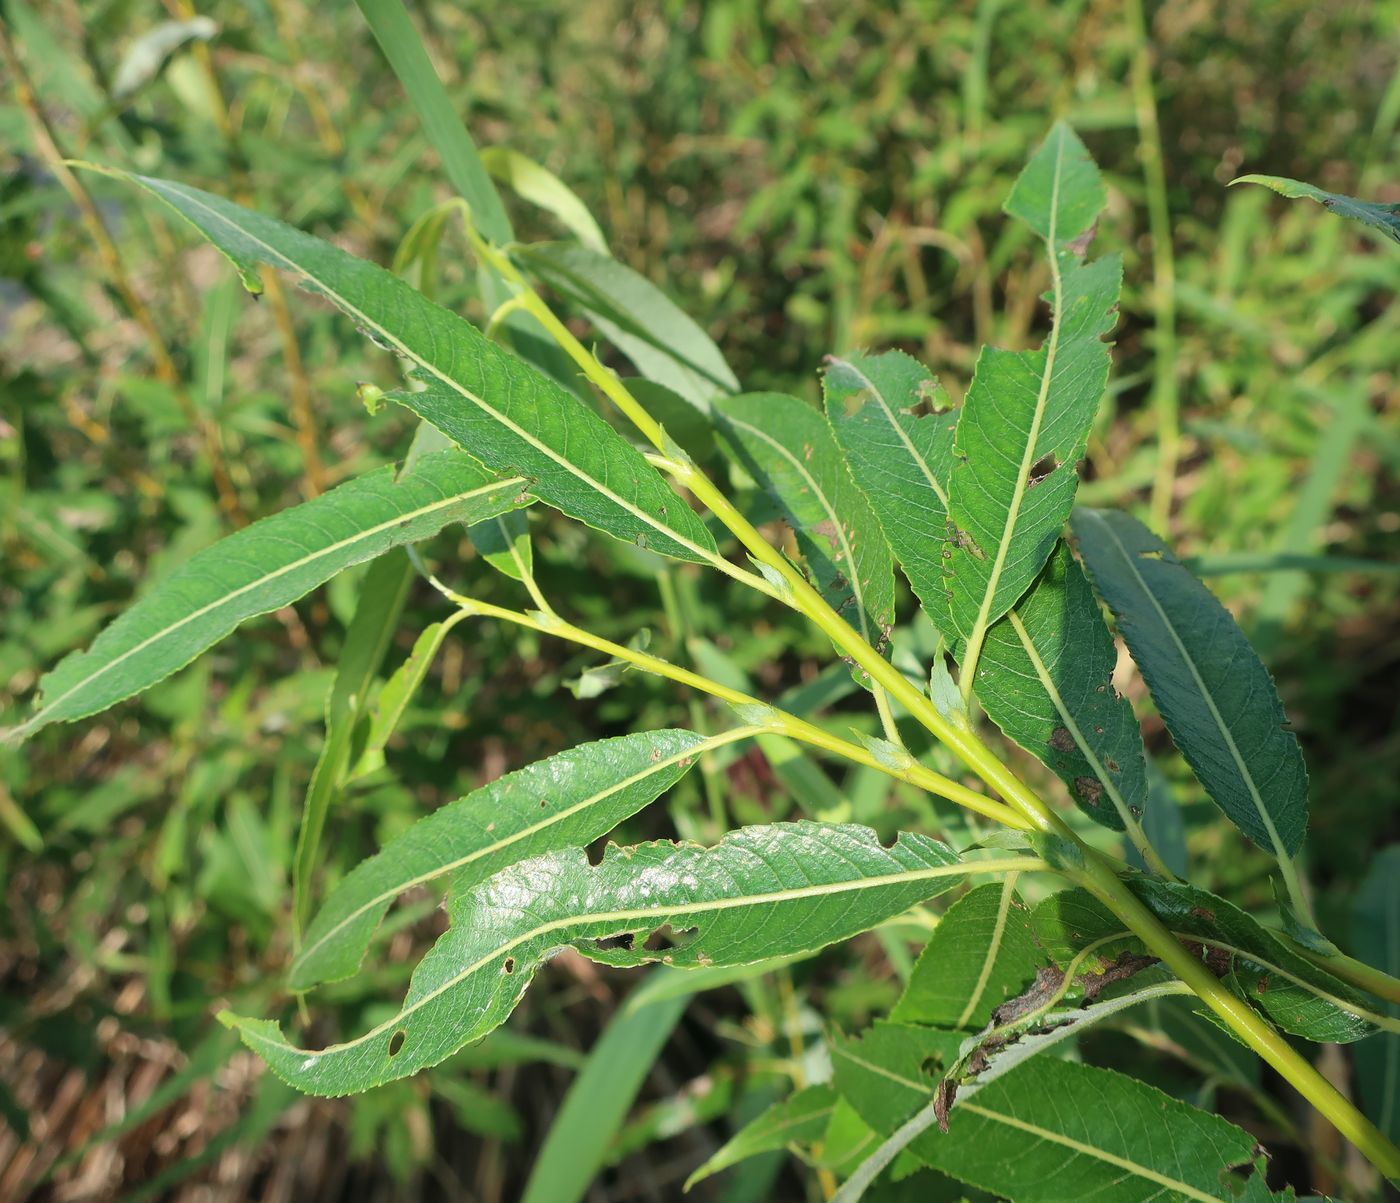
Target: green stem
x=1093, y=873
x=1358, y=973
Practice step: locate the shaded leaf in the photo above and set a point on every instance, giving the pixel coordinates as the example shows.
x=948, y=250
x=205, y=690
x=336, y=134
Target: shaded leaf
x=1383, y=217
x=1054, y=1130
x=1046, y=679
x=1215, y=696
x=263, y=567
x=1376, y=934
x=981, y=953
x=761, y=892
x=900, y=460
x=664, y=343
x=1297, y=995
x=800, y=1119
x=1025, y=422
x=499, y=409
x=564, y=801
x=891, y=1070
x=504, y=543
x=788, y=448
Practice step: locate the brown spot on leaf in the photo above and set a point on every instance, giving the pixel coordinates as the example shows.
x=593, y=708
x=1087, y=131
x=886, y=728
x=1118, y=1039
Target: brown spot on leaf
x=1088, y=789
x=1061, y=740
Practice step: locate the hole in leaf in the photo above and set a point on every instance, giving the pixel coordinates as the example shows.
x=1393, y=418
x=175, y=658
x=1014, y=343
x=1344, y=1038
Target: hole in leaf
x=666, y=936
x=625, y=941
x=396, y=1042
x=508, y=965
x=1042, y=468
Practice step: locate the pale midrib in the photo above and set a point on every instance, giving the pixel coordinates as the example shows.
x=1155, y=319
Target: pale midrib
x=229, y=598
x=707, y=555
x=846, y=551
x=1028, y=456
x=898, y=429
x=1008, y=892
x=1279, y=850
x=881, y=1071
x=496, y=846
x=1121, y=806
x=1103, y=1155
x=661, y=912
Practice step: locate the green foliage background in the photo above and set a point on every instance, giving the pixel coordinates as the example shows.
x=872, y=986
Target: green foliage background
x=803, y=178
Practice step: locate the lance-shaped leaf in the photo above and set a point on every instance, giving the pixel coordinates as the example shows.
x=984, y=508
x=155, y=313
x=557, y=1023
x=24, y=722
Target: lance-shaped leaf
x=762, y=892
x=1215, y=695
x=799, y=1119
x=1054, y=1131
x=1299, y=996
x=788, y=448
x=1380, y=216
x=267, y=565
x=899, y=459
x=1026, y=419
x=891, y=1070
x=564, y=801
x=1046, y=679
x=1377, y=939
x=981, y=953
x=639, y=319
x=502, y=411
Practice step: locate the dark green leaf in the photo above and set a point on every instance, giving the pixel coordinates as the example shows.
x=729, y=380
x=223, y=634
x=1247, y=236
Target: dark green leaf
x=500, y=410
x=761, y=892
x=1383, y=217
x=1377, y=940
x=1026, y=419
x=565, y=801
x=1046, y=679
x=1215, y=695
x=899, y=460
x=265, y=566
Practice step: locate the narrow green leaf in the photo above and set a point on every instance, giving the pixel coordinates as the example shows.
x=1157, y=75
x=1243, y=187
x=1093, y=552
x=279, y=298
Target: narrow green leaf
x=1026, y=419
x=799, y=1119
x=761, y=892
x=542, y=187
x=565, y=801
x=891, y=1070
x=500, y=410
x=789, y=450
x=393, y=30
x=265, y=566
x=1383, y=217
x=377, y=609
x=1046, y=679
x=1299, y=996
x=981, y=953
x=1216, y=697
x=664, y=343
x=1053, y=1130
x=900, y=461
x=1376, y=935
x=598, y=1099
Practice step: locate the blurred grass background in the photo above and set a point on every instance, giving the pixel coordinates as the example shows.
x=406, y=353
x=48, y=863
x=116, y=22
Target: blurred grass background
x=802, y=177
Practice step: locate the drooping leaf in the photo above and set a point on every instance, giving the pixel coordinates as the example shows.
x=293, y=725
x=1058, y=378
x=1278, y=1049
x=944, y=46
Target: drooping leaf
x=1299, y=996
x=542, y=187
x=1216, y=697
x=899, y=459
x=564, y=801
x=263, y=567
x=664, y=343
x=788, y=448
x=1377, y=939
x=504, y=543
x=1046, y=679
x=1026, y=419
x=502, y=411
x=799, y=1119
x=981, y=953
x=1055, y=1131
x=761, y=892
x=1376, y=214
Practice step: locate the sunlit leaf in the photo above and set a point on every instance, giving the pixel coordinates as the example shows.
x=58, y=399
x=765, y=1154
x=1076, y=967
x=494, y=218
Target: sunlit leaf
x=1376, y=214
